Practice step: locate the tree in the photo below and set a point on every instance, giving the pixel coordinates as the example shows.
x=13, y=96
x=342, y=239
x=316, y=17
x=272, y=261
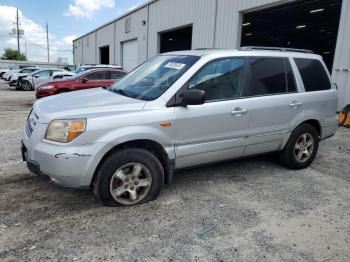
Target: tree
x=11, y=54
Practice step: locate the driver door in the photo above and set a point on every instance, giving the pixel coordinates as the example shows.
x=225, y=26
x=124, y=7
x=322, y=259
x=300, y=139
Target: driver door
x=91, y=80
x=215, y=130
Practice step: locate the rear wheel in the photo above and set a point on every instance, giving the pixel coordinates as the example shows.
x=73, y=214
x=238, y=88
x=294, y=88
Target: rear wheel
x=128, y=177
x=27, y=86
x=301, y=148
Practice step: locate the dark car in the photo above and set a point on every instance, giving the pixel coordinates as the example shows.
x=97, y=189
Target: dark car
x=101, y=77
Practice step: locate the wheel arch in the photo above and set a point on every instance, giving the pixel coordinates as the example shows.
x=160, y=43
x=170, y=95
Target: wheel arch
x=149, y=145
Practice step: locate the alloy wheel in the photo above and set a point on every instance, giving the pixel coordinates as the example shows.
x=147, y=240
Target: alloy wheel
x=304, y=147
x=131, y=183
x=26, y=86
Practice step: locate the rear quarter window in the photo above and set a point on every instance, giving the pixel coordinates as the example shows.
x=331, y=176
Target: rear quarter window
x=313, y=74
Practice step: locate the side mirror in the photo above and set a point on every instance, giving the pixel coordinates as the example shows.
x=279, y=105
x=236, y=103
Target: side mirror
x=193, y=97
x=36, y=76
x=84, y=80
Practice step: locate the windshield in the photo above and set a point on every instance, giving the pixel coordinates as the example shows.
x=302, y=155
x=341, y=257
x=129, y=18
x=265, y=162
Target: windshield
x=150, y=80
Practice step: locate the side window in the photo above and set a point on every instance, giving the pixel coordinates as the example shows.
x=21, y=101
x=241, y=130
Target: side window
x=221, y=79
x=313, y=74
x=45, y=73
x=100, y=75
x=291, y=84
x=116, y=75
x=267, y=76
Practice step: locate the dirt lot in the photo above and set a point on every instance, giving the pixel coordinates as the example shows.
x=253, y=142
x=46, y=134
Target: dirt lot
x=244, y=210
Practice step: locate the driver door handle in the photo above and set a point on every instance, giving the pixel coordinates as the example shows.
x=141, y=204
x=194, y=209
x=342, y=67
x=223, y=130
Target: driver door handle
x=295, y=104
x=239, y=112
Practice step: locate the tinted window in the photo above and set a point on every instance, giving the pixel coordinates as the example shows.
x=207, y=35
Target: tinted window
x=313, y=74
x=267, y=76
x=97, y=75
x=116, y=75
x=291, y=85
x=221, y=79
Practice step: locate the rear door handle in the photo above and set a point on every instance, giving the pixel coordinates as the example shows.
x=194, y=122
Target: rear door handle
x=239, y=112
x=295, y=104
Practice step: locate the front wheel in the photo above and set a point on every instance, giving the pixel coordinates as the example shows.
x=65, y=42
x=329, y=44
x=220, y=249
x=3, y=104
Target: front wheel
x=301, y=148
x=128, y=177
x=26, y=86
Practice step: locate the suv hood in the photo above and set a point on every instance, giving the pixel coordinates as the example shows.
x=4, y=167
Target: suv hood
x=87, y=103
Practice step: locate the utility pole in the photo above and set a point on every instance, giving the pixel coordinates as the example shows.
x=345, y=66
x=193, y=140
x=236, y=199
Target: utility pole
x=17, y=23
x=47, y=41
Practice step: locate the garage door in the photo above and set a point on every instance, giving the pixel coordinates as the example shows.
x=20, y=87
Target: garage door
x=129, y=54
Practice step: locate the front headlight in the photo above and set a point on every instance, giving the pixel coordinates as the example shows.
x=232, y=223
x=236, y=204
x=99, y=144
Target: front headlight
x=46, y=87
x=65, y=131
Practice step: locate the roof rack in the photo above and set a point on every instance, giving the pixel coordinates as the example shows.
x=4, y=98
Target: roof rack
x=281, y=49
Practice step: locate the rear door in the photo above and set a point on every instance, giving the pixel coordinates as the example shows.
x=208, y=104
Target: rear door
x=274, y=103
x=319, y=101
x=215, y=130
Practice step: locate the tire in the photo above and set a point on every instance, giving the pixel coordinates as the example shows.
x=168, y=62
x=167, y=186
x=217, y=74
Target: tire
x=116, y=175
x=19, y=85
x=304, y=138
x=26, y=86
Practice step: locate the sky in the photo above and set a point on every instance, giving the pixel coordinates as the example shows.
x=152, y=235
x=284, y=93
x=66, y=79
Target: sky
x=67, y=20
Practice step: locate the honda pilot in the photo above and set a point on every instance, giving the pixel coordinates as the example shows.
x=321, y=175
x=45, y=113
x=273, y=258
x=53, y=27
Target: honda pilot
x=179, y=110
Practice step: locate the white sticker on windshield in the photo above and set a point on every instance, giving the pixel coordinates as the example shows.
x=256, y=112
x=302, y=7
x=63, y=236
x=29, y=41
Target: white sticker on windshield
x=174, y=65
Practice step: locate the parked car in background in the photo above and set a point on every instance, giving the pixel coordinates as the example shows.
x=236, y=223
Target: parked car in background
x=8, y=75
x=61, y=75
x=16, y=78
x=87, y=67
x=101, y=77
x=32, y=80
x=15, y=67
x=5, y=70
x=179, y=110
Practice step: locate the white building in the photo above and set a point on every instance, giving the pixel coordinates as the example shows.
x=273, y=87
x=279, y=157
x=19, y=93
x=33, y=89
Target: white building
x=167, y=25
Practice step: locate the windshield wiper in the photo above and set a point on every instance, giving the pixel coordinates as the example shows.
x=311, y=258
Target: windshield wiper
x=121, y=91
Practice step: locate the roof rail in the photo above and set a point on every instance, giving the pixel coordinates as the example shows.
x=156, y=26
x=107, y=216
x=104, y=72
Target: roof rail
x=281, y=49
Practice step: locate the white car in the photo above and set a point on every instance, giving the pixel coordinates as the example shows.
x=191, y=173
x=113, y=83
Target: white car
x=5, y=70
x=16, y=78
x=61, y=75
x=15, y=69
x=87, y=67
x=32, y=80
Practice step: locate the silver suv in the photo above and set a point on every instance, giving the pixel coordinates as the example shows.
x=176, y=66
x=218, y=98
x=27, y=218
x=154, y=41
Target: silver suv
x=178, y=110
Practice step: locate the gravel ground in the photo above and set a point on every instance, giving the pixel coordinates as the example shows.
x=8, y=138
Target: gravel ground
x=244, y=210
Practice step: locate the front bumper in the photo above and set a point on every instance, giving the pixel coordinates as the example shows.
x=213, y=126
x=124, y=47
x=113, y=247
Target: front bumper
x=63, y=165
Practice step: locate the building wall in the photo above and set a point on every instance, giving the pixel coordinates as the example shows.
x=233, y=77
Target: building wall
x=89, y=49
x=77, y=52
x=137, y=31
x=341, y=65
x=105, y=36
x=216, y=23
x=169, y=14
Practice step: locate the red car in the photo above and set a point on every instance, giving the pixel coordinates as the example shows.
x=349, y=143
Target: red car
x=100, y=77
